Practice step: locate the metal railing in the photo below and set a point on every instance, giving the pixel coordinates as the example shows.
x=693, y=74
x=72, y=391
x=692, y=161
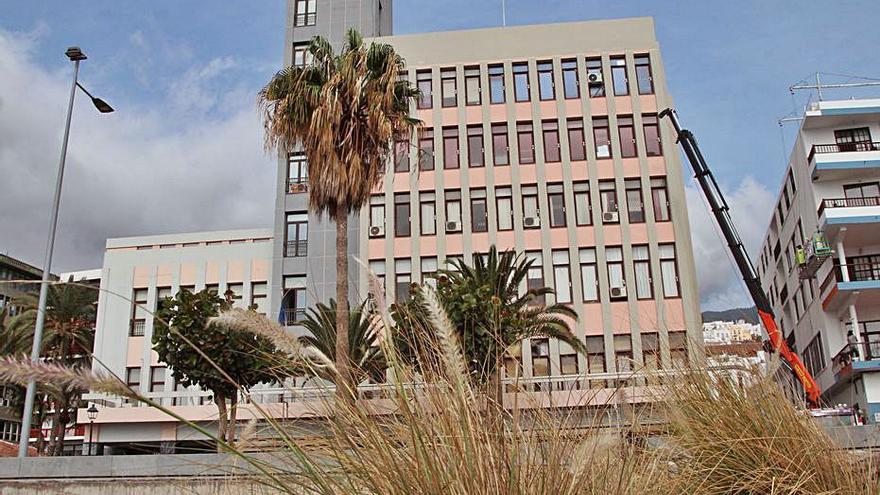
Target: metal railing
x=137, y=328
x=297, y=186
x=858, y=271
x=293, y=316
x=848, y=203
x=842, y=148
x=850, y=353
x=296, y=249
x=307, y=19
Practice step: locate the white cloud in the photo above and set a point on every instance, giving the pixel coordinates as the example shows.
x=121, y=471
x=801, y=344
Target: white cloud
x=751, y=204
x=141, y=170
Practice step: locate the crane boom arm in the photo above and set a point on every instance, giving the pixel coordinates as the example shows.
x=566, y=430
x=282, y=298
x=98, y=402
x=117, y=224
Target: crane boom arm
x=721, y=211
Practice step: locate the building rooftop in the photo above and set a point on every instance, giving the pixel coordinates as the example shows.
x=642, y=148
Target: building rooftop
x=189, y=237
x=21, y=266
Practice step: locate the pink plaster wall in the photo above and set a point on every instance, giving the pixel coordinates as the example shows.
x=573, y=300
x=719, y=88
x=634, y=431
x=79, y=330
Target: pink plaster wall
x=559, y=238
x=553, y=172
x=674, y=314
x=376, y=248
x=656, y=165
x=593, y=318
x=188, y=272
x=141, y=277
x=473, y=114
x=533, y=239
x=427, y=245
x=402, y=248
x=620, y=321
x=586, y=236
x=164, y=275
x=497, y=113
x=631, y=167
x=528, y=174
x=454, y=244
x=212, y=272
x=665, y=232
x=598, y=107
x=573, y=108
x=638, y=233
x=548, y=109
x=623, y=104
x=605, y=169
x=480, y=242
x=522, y=111
x=502, y=176
x=134, y=351
x=235, y=271
x=477, y=177
x=505, y=240
x=579, y=171
x=612, y=235
x=260, y=270
x=449, y=116
x=648, y=103
x=647, y=315
x=451, y=178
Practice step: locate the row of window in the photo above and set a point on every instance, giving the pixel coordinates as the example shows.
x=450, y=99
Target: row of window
x=595, y=357
x=641, y=284
x=481, y=206
x=140, y=311
x=525, y=144
x=550, y=83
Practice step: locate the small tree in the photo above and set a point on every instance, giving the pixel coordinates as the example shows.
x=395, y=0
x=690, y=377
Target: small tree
x=183, y=321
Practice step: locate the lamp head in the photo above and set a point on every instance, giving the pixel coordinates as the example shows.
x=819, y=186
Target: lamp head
x=75, y=54
x=92, y=412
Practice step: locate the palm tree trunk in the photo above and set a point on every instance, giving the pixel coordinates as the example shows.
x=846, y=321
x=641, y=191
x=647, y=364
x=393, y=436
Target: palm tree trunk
x=344, y=387
x=222, y=418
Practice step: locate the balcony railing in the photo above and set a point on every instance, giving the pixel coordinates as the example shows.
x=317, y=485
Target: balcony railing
x=848, y=203
x=305, y=19
x=292, y=316
x=850, y=353
x=858, y=271
x=296, y=249
x=297, y=186
x=842, y=148
x=137, y=328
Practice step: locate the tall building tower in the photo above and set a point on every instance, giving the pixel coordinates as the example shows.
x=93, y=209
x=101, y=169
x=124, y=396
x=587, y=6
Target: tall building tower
x=303, y=260
x=820, y=260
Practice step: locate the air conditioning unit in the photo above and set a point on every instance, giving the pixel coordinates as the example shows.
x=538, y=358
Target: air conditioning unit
x=618, y=292
x=610, y=216
x=298, y=187
x=531, y=221
x=453, y=227
x=595, y=78
x=377, y=231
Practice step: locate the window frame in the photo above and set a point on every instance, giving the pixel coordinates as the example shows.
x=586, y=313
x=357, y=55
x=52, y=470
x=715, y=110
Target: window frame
x=570, y=69
x=558, y=265
x=426, y=149
x=450, y=135
x=520, y=72
x=425, y=85
x=448, y=74
x=496, y=81
x=300, y=223
x=557, y=196
x=504, y=194
x=472, y=74
x=602, y=134
x=653, y=140
x=642, y=62
x=672, y=261
x=594, y=66
x=525, y=129
x=552, y=150
x=427, y=199
x=544, y=68
x=402, y=208
x=475, y=139
x=577, y=139
x=589, y=265
x=628, y=147
x=660, y=202
x=634, y=215
x=618, y=70
x=499, y=130
x=645, y=263
x=307, y=18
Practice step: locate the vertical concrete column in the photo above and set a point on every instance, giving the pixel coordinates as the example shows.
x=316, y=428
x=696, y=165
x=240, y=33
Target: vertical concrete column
x=854, y=321
x=841, y=257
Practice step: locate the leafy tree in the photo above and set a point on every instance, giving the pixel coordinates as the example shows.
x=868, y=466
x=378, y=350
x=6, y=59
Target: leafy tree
x=363, y=345
x=68, y=340
x=345, y=110
x=194, y=348
x=489, y=314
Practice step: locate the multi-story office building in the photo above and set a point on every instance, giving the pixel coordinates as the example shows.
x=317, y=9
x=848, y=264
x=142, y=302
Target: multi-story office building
x=820, y=260
x=17, y=279
x=543, y=139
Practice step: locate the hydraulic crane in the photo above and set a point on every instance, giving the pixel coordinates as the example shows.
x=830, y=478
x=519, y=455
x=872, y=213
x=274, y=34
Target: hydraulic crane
x=721, y=211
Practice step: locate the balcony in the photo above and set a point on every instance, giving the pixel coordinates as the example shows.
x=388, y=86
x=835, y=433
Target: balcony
x=853, y=283
x=857, y=216
x=850, y=362
x=844, y=160
x=296, y=249
x=297, y=186
x=292, y=316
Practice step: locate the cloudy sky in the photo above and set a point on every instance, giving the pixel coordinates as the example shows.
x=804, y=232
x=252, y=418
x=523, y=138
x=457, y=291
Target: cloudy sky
x=183, y=151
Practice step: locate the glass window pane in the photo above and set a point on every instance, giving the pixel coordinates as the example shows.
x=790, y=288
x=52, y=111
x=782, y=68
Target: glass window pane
x=505, y=213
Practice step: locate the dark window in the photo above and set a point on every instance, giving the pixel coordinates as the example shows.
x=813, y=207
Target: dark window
x=851, y=139
x=577, y=146
x=496, y=83
x=635, y=205
x=651, y=126
x=305, y=12
x=595, y=80
x=540, y=357
x=550, y=131
x=301, y=54
x=863, y=190
x=627, y=134
x=521, y=81
x=602, y=137
x=596, y=358
x=642, y=270
x=425, y=86
x=475, y=146
x=157, y=378
x=472, y=85
x=589, y=274
x=623, y=355
x=500, y=146
x=296, y=310
x=377, y=216
x=402, y=279
x=428, y=213
x=297, y=242
x=138, y=322
x=616, y=278
x=479, y=211
x=402, y=213
x=535, y=275
x=814, y=356
x=545, y=81
x=525, y=140
x=453, y=210
x=531, y=213
x=608, y=199
x=450, y=147
x=401, y=155
x=556, y=200
x=570, y=79
x=426, y=149
x=618, y=76
x=133, y=378
x=504, y=206
x=448, y=87
x=678, y=349
x=582, y=204
x=643, y=74
x=660, y=198
x=669, y=270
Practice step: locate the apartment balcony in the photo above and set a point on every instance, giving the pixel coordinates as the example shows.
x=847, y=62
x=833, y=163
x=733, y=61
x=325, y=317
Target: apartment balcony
x=843, y=161
x=296, y=249
x=858, y=217
x=854, y=360
x=854, y=283
x=297, y=186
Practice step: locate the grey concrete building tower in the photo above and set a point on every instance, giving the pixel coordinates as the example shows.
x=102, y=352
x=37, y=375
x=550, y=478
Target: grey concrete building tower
x=303, y=259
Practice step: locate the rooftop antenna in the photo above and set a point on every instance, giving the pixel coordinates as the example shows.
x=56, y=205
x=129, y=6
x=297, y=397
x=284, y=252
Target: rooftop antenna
x=818, y=86
x=503, y=13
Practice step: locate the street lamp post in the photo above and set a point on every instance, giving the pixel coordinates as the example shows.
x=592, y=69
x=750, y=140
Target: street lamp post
x=76, y=56
x=92, y=411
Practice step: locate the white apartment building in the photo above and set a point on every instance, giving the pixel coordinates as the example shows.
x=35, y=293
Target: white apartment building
x=820, y=260
x=726, y=332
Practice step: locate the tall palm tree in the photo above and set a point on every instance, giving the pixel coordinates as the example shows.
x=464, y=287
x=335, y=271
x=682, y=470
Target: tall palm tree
x=345, y=110
x=69, y=339
x=490, y=314
x=366, y=357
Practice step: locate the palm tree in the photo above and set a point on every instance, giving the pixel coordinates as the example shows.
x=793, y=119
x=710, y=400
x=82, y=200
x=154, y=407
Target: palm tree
x=345, y=110
x=68, y=341
x=366, y=358
x=14, y=340
x=490, y=314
